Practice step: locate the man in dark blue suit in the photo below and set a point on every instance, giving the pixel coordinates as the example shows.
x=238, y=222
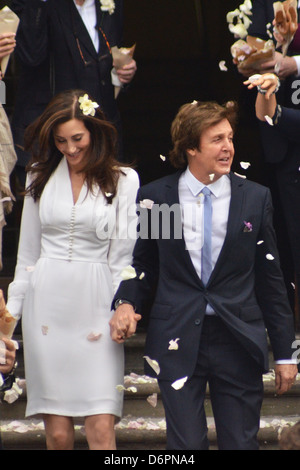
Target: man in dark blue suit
x=216, y=291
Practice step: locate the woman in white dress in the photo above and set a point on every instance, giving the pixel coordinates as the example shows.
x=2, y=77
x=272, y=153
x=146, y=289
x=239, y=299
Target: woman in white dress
x=77, y=234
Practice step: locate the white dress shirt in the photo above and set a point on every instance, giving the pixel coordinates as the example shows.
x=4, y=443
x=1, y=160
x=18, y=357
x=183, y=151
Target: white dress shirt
x=87, y=12
x=191, y=202
x=192, y=215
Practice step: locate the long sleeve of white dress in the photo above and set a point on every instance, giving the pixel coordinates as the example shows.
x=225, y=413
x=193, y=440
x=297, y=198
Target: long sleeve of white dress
x=124, y=235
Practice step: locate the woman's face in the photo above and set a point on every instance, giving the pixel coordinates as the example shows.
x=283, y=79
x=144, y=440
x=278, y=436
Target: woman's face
x=72, y=139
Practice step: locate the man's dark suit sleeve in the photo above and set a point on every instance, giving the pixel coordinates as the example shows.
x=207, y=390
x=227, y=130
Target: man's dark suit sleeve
x=270, y=288
x=276, y=139
x=145, y=262
x=32, y=34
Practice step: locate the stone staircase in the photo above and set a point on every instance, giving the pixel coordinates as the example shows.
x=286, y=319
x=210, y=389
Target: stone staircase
x=143, y=425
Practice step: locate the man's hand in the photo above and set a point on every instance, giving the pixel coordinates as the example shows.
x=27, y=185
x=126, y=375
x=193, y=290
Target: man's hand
x=7, y=44
x=127, y=72
x=285, y=375
x=123, y=323
x=282, y=66
x=10, y=356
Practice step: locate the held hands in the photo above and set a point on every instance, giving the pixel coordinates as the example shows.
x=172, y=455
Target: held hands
x=123, y=323
x=10, y=356
x=267, y=83
x=285, y=375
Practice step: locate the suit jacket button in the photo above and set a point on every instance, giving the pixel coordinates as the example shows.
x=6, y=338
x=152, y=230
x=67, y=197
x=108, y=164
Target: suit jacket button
x=197, y=322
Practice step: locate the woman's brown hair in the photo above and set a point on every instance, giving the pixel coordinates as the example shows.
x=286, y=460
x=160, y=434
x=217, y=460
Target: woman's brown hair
x=191, y=120
x=101, y=167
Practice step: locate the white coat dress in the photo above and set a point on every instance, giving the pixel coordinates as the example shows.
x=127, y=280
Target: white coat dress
x=69, y=265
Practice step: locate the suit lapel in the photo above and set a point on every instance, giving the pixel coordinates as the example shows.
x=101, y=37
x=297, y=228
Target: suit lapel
x=233, y=224
x=71, y=21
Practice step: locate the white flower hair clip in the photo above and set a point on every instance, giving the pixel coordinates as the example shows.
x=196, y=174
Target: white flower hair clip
x=87, y=106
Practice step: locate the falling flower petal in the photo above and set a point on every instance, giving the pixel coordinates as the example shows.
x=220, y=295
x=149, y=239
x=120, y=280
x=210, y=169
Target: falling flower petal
x=293, y=285
x=178, y=384
x=30, y=268
x=173, y=344
x=154, y=364
x=45, y=329
x=222, y=66
x=240, y=176
x=108, y=194
x=128, y=273
x=238, y=30
x=269, y=120
x=269, y=257
x=152, y=400
x=146, y=203
x=120, y=388
x=10, y=396
x=231, y=15
x=162, y=157
x=260, y=242
x=211, y=176
x=142, y=275
x=94, y=336
x=245, y=165
x=194, y=102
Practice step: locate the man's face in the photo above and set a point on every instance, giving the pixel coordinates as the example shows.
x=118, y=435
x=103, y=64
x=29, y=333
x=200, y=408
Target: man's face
x=215, y=153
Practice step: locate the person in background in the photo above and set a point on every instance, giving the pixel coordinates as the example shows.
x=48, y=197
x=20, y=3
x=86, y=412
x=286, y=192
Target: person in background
x=281, y=159
x=62, y=45
x=74, y=243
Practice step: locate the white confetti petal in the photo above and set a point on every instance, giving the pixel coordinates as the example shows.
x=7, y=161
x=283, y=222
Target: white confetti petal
x=173, y=344
x=142, y=275
x=178, y=384
x=270, y=257
x=152, y=400
x=245, y=165
x=45, y=329
x=146, y=203
x=162, y=157
x=120, y=388
x=269, y=120
x=154, y=364
x=30, y=268
x=240, y=176
x=260, y=242
x=211, y=176
x=131, y=389
x=222, y=66
x=128, y=273
x=108, y=194
x=194, y=102
x=94, y=336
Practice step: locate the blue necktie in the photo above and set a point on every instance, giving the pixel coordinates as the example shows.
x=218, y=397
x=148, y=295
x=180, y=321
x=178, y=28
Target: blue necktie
x=206, y=264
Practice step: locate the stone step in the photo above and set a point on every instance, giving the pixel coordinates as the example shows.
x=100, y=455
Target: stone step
x=143, y=425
